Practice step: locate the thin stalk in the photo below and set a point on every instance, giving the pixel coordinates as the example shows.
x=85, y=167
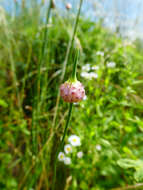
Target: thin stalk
x=40, y=62
x=75, y=66
x=42, y=53
x=70, y=45
x=67, y=122
x=61, y=144
x=71, y=41
x=26, y=72
x=13, y=69
x=131, y=187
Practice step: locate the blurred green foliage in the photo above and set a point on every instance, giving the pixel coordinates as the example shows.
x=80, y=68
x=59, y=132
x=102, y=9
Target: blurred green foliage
x=109, y=122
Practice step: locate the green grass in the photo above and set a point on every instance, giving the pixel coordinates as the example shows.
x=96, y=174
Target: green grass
x=111, y=116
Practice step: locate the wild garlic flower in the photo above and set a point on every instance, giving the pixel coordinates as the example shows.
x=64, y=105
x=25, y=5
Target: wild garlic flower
x=74, y=140
x=72, y=91
x=67, y=160
x=111, y=64
x=67, y=148
x=61, y=156
x=80, y=154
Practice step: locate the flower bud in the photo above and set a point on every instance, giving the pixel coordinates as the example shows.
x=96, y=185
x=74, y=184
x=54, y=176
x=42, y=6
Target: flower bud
x=72, y=91
x=68, y=6
x=53, y=4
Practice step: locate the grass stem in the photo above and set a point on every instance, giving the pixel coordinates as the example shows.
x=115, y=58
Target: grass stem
x=40, y=62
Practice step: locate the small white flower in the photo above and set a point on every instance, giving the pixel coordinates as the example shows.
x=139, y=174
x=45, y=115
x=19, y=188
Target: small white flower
x=61, y=156
x=85, y=97
x=111, y=64
x=80, y=154
x=86, y=67
x=74, y=140
x=76, y=103
x=85, y=75
x=100, y=53
x=93, y=75
x=67, y=148
x=67, y=160
x=89, y=75
x=95, y=67
x=98, y=147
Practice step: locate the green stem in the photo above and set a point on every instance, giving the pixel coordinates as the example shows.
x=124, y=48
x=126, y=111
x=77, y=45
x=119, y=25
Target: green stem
x=43, y=50
x=71, y=41
x=40, y=62
x=70, y=45
x=61, y=145
x=13, y=69
x=75, y=66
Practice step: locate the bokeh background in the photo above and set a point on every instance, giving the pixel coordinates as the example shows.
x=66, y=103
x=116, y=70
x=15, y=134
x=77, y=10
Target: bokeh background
x=36, y=56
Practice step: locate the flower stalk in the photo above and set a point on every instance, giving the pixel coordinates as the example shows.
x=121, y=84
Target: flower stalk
x=75, y=67
x=61, y=144
x=68, y=53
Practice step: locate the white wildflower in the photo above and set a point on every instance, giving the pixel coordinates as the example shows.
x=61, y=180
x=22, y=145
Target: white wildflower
x=100, y=53
x=67, y=148
x=74, y=140
x=85, y=75
x=80, y=154
x=93, y=75
x=67, y=160
x=89, y=75
x=86, y=67
x=95, y=67
x=111, y=64
x=61, y=156
x=98, y=147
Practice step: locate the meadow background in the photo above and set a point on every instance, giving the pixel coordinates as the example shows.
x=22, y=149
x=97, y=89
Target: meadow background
x=38, y=45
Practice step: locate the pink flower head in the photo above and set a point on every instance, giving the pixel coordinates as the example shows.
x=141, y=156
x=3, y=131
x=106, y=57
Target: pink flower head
x=72, y=91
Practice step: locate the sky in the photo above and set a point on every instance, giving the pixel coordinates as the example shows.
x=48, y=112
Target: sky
x=127, y=14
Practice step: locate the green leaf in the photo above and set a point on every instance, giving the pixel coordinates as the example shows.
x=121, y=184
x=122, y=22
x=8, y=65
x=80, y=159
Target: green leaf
x=3, y=103
x=139, y=174
x=105, y=143
x=128, y=163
